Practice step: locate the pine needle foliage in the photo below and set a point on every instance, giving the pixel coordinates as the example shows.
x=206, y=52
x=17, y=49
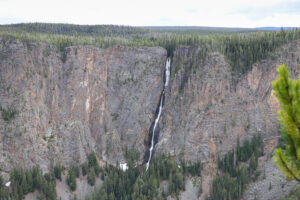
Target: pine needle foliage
x=287, y=92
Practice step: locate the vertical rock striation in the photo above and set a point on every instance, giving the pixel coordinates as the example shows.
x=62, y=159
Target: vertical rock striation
x=99, y=100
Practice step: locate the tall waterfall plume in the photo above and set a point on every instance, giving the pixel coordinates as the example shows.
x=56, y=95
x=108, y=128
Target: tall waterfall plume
x=161, y=102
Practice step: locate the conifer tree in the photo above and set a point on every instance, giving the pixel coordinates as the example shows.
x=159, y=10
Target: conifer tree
x=287, y=92
x=71, y=180
x=91, y=178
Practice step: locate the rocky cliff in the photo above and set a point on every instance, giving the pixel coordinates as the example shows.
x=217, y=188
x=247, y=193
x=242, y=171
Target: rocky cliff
x=100, y=100
x=85, y=99
x=206, y=111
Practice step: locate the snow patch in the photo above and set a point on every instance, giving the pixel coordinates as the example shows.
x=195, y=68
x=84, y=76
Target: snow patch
x=87, y=104
x=83, y=84
x=123, y=166
x=7, y=184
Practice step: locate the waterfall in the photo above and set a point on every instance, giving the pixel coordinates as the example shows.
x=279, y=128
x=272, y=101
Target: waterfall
x=156, y=122
x=168, y=67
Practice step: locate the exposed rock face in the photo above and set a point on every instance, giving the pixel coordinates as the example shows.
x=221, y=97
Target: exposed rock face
x=104, y=100
x=262, y=190
x=101, y=100
x=205, y=113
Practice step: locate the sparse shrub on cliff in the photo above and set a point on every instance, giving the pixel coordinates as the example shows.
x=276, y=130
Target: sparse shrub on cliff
x=9, y=113
x=114, y=116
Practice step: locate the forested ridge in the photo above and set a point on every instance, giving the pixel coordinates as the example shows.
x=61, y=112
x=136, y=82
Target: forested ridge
x=75, y=30
x=242, y=49
x=118, y=30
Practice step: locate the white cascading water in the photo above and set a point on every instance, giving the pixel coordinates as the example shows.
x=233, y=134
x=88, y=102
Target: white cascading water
x=167, y=77
x=168, y=66
x=153, y=132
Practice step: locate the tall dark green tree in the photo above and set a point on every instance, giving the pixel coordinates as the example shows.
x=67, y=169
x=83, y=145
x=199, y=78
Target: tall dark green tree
x=71, y=180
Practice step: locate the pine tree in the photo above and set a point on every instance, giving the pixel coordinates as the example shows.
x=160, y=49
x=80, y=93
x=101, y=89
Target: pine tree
x=57, y=171
x=24, y=183
x=71, y=180
x=91, y=178
x=288, y=93
x=29, y=181
x=92, y=159
x=84, y=168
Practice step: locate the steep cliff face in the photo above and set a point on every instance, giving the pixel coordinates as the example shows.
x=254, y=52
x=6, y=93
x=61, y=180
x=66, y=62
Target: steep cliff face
x=104, y=100
x=101, y=100
x=205, y=112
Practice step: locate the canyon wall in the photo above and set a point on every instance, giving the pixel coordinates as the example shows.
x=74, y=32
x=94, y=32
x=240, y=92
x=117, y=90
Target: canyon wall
x=91, y=99
x=99, y=100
